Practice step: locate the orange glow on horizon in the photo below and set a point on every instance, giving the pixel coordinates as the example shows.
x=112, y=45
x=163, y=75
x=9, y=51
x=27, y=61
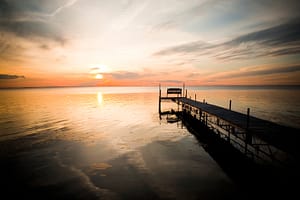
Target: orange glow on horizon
x=146, y=78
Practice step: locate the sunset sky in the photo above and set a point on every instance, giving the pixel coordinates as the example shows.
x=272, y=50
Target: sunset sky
x=144, y=42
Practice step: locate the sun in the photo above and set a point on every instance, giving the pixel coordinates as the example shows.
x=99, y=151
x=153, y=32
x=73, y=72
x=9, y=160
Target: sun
x=98, y=71
x=99, y=76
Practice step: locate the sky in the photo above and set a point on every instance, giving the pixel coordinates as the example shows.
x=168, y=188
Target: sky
x=146, y=42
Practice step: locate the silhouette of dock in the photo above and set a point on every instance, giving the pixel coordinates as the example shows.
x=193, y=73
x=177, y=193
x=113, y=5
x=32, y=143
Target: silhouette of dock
x=258, y=139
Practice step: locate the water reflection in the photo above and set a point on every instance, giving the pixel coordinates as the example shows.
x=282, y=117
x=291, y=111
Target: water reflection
x=100, y=98
x=65, y=144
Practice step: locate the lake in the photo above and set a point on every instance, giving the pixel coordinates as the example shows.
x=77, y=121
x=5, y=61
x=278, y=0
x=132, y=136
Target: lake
x=109, y=142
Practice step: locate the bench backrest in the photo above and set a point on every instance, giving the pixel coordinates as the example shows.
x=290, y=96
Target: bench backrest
x=174, y=91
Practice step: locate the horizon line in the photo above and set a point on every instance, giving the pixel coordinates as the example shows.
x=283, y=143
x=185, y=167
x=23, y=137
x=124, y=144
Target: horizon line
x=164, y=85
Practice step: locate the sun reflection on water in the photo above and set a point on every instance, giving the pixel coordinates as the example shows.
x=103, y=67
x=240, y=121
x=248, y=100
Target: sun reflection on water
x=100, y=98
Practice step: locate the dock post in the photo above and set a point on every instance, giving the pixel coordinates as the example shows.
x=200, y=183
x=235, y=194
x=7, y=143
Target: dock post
x=248, y=134
x=248, y=117
x=232, y=131
x=185, y=93
x=159, y=101
x=195, y=97
x=183, y=89
x=178, y=103
x=230, y=104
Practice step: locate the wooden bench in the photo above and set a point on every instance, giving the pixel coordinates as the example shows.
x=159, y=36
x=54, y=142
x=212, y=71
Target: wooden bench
x=177, y=91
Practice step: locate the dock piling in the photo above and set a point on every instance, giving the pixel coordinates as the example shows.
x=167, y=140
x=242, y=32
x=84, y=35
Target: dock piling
x=248, y=117
x=159, y=101
x=248, y=134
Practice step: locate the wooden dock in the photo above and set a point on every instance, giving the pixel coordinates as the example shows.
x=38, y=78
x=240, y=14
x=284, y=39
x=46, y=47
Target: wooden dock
x=256, y=137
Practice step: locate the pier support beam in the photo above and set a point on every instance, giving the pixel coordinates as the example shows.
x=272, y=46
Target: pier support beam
x=183, y=90
x=248, y=139
x=248, y=118
x=159, y=101
x=248, y=134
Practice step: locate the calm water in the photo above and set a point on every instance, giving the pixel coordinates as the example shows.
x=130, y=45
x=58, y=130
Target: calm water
x=109, y=143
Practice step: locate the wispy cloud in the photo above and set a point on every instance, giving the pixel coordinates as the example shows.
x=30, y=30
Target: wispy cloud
x=192, y=47
x=171, y=81
x=34, y=30
x=218, y=17
x=8, y=76
x=133, y=75
x=63, y=6
x=121, y=75
x=255, y=72
x=10, y=51
x=29, y=19
x=278, y=40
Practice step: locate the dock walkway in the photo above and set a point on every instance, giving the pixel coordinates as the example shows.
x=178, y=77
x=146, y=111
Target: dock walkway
x=285, y=138
x=256, y=137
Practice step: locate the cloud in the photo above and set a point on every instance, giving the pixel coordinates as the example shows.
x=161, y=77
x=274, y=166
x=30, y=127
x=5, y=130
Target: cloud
x=130, y=75
x=125, y=75
x=277, y=35
x=8, y=76
x=198, y=46
x=256, y=71
x=10, y=51
x=44, y=46
x=171, y=81
x=218, y=17
x=34, y=30
x=63, y=6
x=99, y=69
x=283, y=39
x=14, y=9
x=30, y=19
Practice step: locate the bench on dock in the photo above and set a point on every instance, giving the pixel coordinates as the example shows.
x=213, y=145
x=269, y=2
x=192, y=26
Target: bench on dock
x=174, y=91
